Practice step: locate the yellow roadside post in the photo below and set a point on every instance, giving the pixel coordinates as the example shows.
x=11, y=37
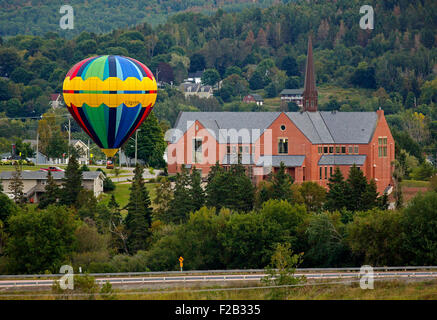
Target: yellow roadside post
x=181, y=262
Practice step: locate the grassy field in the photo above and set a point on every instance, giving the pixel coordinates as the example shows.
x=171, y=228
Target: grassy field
x=414, y=184
x=383, y=290
x=327, y=92
x=122, y=192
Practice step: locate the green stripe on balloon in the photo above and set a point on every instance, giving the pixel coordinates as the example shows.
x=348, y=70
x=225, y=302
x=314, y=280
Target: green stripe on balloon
x=96, y=68
x=97, y=120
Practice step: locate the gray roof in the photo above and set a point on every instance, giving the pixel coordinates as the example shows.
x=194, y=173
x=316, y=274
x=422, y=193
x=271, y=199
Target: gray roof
x=32, y=175
x=197, y=74
x=342, y=159
x=323, y=127
x=275, y=161
x=350, y=127
x=256, y=96
x=292, y=91
x=216, y=121
x=233, y=159
x=190, y=87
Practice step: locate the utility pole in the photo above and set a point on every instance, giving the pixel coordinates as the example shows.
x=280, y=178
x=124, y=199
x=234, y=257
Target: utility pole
x=69, y=137
x=136, y=139
x=88, y=153
x=36, y=156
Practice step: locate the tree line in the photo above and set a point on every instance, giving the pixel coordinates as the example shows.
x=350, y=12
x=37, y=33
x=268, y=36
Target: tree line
x=223, y=222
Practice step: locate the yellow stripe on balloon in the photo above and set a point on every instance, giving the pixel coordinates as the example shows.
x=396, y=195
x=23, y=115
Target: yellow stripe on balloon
x=109, y=84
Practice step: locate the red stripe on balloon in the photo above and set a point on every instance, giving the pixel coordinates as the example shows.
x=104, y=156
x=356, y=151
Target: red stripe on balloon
x=73, y=71
x=148, y=72
x=78, y=119
x=145, y=114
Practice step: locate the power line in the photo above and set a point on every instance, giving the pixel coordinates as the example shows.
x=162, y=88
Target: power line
x=35, y=117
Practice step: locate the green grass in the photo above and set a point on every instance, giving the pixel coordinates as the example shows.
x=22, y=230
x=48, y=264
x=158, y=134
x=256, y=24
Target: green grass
x=327, y=92
x=415, y=184
x=32, y=168
x=383, y=290
x=122, y=192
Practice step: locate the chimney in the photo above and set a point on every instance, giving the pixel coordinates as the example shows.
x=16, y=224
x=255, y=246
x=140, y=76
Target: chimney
x=380, y=113
x=310, y=90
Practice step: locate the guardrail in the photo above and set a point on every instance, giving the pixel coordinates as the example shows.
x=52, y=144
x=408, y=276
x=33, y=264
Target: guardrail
x=152, y=273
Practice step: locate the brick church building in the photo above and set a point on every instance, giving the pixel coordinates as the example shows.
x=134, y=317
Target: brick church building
x=310, y=143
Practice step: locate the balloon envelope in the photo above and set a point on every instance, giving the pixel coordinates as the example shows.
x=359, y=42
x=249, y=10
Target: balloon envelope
x=109, y=97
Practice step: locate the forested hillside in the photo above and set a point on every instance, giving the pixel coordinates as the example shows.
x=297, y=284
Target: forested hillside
x=257, y=49
x=39, y=17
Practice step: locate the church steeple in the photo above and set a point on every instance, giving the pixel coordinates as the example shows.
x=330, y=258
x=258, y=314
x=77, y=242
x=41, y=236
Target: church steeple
x=310, y=90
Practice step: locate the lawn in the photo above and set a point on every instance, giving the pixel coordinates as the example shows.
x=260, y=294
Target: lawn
x=122, y=192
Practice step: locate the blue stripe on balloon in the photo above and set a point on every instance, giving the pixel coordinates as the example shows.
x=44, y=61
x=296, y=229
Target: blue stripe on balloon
x=106, y=70
x=112, y=66
x=128, y=69
x=143, y=72
x=119, y=73
x=119, y=113
x=128, y=118
x=84, y=67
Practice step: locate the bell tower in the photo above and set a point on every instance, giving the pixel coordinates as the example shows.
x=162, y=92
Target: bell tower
x=310, y=91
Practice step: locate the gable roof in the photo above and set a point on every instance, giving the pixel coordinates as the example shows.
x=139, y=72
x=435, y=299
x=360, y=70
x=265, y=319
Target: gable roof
x=42, y=175
x=255, y=96
x=292, y=91
x=342, y=159
x=275, y=160
x=323, y=127
x=214, y=121
x=197, y=74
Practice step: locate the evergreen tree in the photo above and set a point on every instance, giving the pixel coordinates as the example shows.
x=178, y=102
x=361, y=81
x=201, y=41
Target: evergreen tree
x=356, y=187
x=281, y=184
x=51, y=193
x=16, y=185
x=162, y=201
x=139, y=216
x=196, y=192
x=215, y=188
x=370, y=196
x=181, y=204
x=231, y=189
x=72, y=183
x=336, y=196
x=114, y=210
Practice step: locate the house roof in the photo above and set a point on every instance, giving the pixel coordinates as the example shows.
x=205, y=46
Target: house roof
x=292, y=91
x=54, y=96
x=342, y=159
x=275, y=160
x=190, y=87
x=321, y=127
x=214, y=121
x=57, y=175
x=233, y=159
x=197, y=74
x=256, y=96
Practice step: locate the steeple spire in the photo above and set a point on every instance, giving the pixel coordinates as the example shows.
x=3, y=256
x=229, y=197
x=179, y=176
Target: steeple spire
x=310, y=90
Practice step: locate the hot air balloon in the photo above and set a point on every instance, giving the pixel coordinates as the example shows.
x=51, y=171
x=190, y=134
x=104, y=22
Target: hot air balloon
x=109, y=97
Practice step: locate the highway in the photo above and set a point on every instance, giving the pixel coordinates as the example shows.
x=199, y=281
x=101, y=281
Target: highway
x=151, y=278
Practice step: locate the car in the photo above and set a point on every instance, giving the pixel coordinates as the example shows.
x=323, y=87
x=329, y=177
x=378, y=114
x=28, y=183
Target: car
x=52, y=169
x=109, y=164
x=100, y=162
